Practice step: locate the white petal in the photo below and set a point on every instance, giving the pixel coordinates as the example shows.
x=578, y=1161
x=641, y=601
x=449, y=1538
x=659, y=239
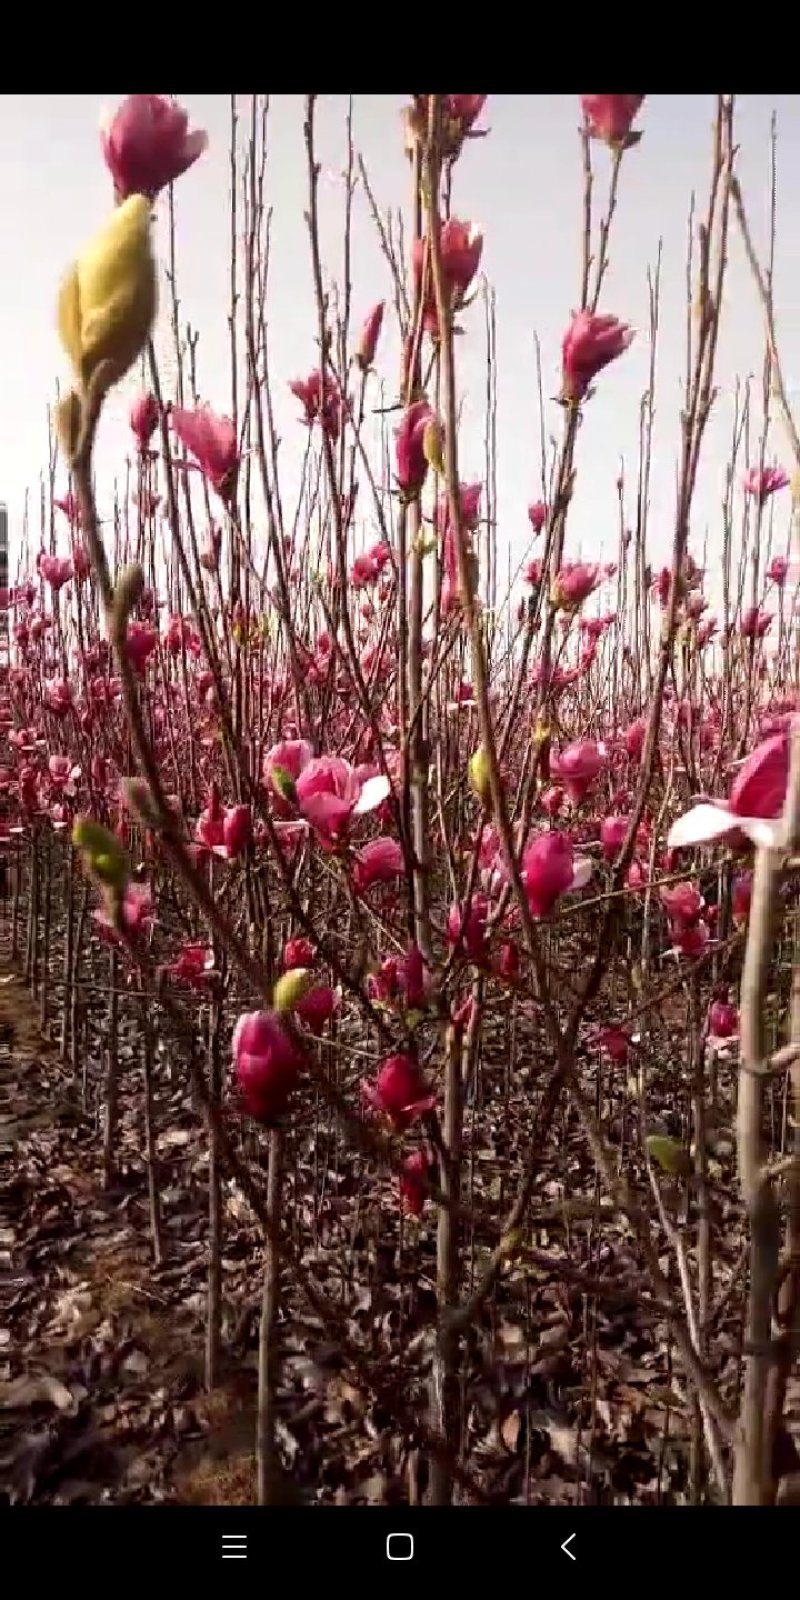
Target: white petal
x=582, y=872
x=701, y=823
x=373, y=794
x=760, y=831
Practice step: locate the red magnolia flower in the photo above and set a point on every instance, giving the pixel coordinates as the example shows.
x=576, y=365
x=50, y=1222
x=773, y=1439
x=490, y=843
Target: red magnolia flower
x=577, y=767
x=193, y=965
x=399, y=1092
x=369, y=336
x=549, y=869
x=761, y=482
x=144, y=419
x=613, y=1041
x=410, y=459
x=147, y=145
x=741, y=897
x=537, y=515
x=683, y=904
x=590, y=343
x=317, y=1007
x=321, y=402
x=470, y=928
x=461, y=246
x=416, y=1167
x=266, y=1062
x=756, y=800
x=610, y=116
x=612, y=833
x=755, y=623
x=635, y=736
x=237, y=828
x=297, y=953
x=462, y=111
x=723, y=1019
x=281, y=768
x=380, y=861
x=141, y=639
x=212, y=442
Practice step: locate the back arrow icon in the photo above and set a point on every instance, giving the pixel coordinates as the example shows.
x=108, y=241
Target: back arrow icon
x=565, y=1547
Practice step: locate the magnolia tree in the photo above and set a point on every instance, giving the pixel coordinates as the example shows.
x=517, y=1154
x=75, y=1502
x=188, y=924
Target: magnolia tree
x=381, y=867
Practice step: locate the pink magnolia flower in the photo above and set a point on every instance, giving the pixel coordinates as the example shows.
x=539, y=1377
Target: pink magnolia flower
x=415, y=1169
x=573, y=584
x=55, y=570
x=411, y=463
x=330, y=792
x=147, y=145
x=778, y=571
x=462, y=111
x=281, y=768
x=577, y=767
x=762, y=482
x=537, y=515
x=634, y=738
x=136, y=912
x=683, y=904
x=590, y=343
x=321, y=402
x=613, y=1041
x=755, y=623
x=297, y=952
x=549, y=869
x=369, y=336
x=612, y=834
x=469, y=928
x=317, y=1007
x=193, y=965
x=741, y=898
x=144, y=415
x=692, y=940
x=469, y=498
x=610, y=116
x=212, y=442
x=755, y=802
x=723, y=1019
x=141, y=639
x=399, y=1092
x=266, y=1062
x=380, y=861
x=461, y=246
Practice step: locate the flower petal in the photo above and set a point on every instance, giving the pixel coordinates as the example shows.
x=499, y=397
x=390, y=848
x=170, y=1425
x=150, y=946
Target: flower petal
x=761, y=831
x=373, y=794
x=581, y=872
x=702, y=823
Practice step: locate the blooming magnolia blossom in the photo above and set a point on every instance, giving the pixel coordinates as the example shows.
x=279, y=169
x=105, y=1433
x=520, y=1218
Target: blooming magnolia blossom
x=577, y=767
x=590, y=343
x=399, y=1092
x=380, y=861
x=213, y=443
x=147, y=144
x=330, y=792
x=610, y=116
x=755, y=802
x=761, y=482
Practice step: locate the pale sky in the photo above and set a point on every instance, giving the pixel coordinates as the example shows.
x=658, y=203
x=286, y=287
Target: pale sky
x=522, y=184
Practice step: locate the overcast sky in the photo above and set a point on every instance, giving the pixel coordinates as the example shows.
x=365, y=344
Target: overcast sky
x=522, y=184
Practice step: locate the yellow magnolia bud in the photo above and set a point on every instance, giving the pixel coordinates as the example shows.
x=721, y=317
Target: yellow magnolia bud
x=291, y=988
x=433, y=445
x=108, y=299
x=669, y=1154
x=103, y=856
x=130, y=584
x=479, y=775
x=68, y=418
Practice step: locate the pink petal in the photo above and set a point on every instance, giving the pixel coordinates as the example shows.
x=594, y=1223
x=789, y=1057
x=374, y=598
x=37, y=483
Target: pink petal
x=373, y=793
x=702, y=823
x=582, y=872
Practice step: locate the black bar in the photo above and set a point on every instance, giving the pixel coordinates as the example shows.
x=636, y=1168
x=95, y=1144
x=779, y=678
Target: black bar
x=499, y=1546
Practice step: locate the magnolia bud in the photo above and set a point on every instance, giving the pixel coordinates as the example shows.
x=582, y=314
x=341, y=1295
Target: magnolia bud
x=479, y=775
x=69, y=421
x=291, y=988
